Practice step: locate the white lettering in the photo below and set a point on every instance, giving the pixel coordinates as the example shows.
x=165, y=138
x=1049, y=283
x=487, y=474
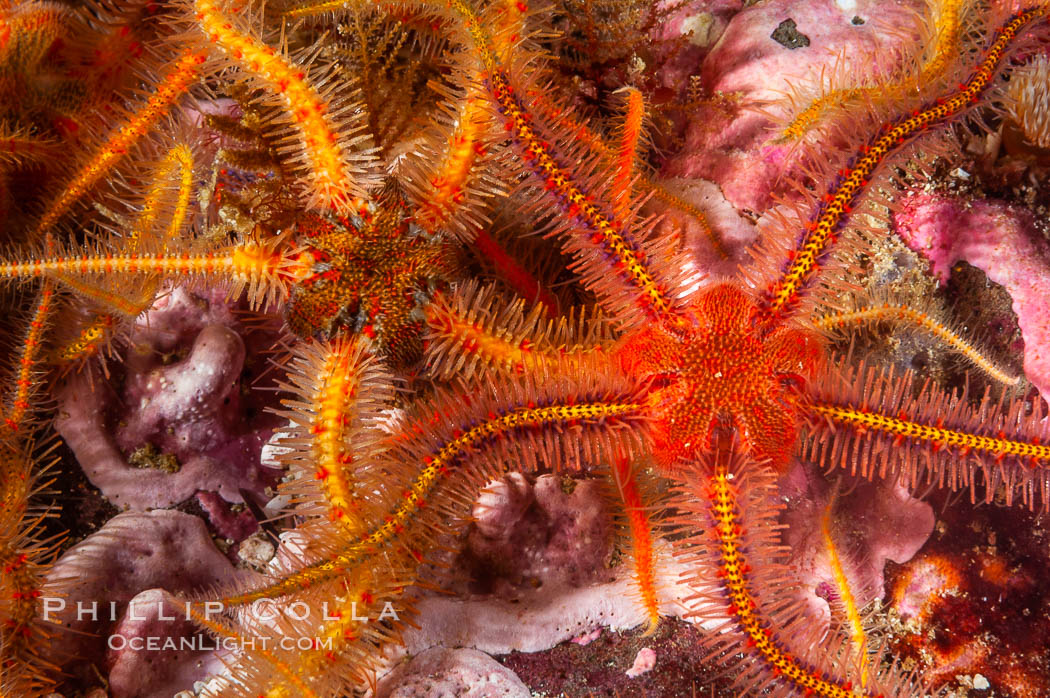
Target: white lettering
x=53, y=604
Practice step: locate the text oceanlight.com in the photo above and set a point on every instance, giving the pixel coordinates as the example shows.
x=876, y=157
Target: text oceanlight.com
x=203, y=643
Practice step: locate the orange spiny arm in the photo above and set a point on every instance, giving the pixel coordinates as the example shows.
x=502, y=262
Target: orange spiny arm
x=641, y=540
x=604, y=231
x=256, y=265
x=524, y=283
x=88, y=342
x=27, y=363
x=949, y=25
x=490, y=349
x=838, y=202
x=21, y=557
x=185, y=72
x=436, y=468
x=445, y=190
x=471, y=332
x=939, y=437
x=849, y=603
x=324, y=152
x=734, y=572
x=627, y=151
x=130, y=304
x=332, y=403
x=332, y=384
x=345, y=639
x=898, y=312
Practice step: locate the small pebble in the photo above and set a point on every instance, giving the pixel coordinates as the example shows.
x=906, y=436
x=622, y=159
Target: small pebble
x=643, y=662
x=700, y=28
x=256, y=551
x=980, y=683
x=787, y=35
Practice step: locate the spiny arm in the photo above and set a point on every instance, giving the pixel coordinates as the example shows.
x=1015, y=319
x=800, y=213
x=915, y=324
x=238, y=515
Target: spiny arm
x=743, y=583
x=834, y=212
x=260, y=266
x=922, y=319
x=433, y=464
x=847, y=599
x=158, y=205
x=872, y=422
x=328, y=145
x=578, y=130
x=640, y=527
x=473, y=333
x=26, y=369
x=334, y=387
x=176, y=166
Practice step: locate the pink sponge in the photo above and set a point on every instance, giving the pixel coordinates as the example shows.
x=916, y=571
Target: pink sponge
x=873, y=523
x=539, y=535
x=133, y=553
x=1000, y=240
x=447, y=672
x=181, y=421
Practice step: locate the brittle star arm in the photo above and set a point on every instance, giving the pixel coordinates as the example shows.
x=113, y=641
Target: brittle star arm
x=160, y=205
x=873, y=423
x=440, y=467
x=923, y=318
x=473, y=333
x=23, y=557
x=743, y=583
x=833, y=212
x=333, y=155
x=264, y=267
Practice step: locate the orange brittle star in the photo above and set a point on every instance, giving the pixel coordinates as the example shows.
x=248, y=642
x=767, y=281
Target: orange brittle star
x=722, y=386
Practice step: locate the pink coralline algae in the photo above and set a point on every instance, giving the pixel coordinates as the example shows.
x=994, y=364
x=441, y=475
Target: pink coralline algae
x=182, y=421
x=734, y=147
x=1000, y=239
x=644, y=661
